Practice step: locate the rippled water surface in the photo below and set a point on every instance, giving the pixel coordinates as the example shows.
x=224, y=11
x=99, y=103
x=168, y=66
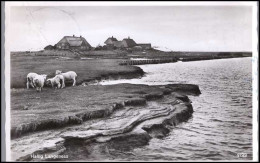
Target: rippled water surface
x=221, y=125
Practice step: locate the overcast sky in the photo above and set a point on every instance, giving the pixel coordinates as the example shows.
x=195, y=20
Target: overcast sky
x=186, y=28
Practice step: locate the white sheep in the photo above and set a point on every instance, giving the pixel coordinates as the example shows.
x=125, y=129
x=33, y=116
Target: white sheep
x=70, y=75
x=30, y=78
x=57, y=81
x=39, y=81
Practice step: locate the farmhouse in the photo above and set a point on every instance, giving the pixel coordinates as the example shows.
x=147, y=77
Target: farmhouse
x=73, y=43
x=125, y=43
x=112, y=42
x=128, y=43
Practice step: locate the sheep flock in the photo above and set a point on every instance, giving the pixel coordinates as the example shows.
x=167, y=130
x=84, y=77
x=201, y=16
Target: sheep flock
x=38, y=81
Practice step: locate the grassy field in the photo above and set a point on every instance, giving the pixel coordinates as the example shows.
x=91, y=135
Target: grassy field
x=55, y=103
x=94, y=65
x=34, y=111
x=31, y=110
x=123, y=54
x=86, y=69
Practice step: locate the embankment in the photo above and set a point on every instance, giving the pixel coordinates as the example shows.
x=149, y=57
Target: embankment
x=33, y=111
x=106, y=116
x=208, y=58
x=183, y=58
x=148, y=61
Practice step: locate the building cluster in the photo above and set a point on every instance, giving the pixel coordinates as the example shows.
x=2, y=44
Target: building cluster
x=126, y=43
x=80, y=43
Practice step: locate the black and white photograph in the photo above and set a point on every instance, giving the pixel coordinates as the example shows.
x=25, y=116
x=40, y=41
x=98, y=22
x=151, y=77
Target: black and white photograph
x=131, y=81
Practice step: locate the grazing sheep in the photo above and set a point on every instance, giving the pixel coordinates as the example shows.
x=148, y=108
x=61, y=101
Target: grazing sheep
x=38, y=81
x=70, y=75
x=57, y=81
x=30, y=78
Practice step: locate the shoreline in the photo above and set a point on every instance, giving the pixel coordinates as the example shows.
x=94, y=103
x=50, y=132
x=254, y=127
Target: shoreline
x=139, y=98
x=170, y=103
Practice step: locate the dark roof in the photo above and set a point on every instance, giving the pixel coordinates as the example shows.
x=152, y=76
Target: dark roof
x=74, y=41
x=128, y=42
x=49, y=47
x=110, y=40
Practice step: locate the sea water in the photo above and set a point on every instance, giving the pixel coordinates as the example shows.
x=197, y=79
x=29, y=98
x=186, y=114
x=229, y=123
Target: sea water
x=221, y=125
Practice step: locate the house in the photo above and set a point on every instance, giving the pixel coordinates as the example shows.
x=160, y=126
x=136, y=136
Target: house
x=110, y=41
x=125, y=43
x=73, y=43
x=128, y=43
